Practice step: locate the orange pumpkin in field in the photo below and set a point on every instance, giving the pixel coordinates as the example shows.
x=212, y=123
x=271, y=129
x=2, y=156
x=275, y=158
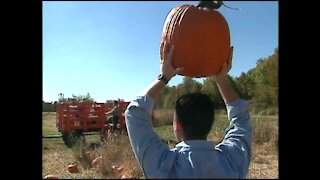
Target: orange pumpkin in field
x=97, y=161
x=73, y=168
x=51, y=177
x=201, y=39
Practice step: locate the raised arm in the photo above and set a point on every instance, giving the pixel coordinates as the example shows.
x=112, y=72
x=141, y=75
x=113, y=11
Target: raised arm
x=238, y=139
x=151, y=153
x=226, y=91
x=168, y=71
x=111, y=111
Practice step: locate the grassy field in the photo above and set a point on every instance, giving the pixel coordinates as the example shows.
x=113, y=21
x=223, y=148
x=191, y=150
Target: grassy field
x=118, y=159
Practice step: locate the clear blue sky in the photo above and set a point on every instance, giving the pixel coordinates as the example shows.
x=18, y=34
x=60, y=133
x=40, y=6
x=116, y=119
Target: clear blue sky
x=111, y=49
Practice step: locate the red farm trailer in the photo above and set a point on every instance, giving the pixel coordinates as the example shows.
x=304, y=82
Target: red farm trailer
x=73, y=119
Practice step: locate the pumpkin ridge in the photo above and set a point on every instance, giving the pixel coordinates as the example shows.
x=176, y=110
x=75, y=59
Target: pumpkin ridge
x=178, y=14
x=183, y=13
x=167, y=25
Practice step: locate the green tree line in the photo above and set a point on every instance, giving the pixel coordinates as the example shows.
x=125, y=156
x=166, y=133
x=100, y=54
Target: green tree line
x=51, y=106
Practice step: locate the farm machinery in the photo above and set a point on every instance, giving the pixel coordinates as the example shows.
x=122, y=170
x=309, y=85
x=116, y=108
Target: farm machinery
x=75, y=119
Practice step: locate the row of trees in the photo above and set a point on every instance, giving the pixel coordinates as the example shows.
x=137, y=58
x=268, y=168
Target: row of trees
x=79, y=98
x=259, y=85
x=51, y=106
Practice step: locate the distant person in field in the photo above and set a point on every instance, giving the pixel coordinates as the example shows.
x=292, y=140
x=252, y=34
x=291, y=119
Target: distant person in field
x=194, y=156
x=115, y=115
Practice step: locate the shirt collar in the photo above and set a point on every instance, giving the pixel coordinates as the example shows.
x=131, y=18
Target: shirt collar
x=195, y=145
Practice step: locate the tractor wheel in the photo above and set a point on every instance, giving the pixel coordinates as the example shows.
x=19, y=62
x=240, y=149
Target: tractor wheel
x=70, y=139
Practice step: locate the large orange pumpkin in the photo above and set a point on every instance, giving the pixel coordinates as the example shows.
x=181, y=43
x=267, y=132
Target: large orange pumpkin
x=201, y=39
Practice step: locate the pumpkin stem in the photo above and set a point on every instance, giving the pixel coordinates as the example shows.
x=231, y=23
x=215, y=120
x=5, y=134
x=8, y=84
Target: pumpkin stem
x=231, y=7
x=210, y=4
x=214, y=5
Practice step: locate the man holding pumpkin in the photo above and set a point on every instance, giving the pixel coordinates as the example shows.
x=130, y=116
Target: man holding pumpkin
x=194, y=156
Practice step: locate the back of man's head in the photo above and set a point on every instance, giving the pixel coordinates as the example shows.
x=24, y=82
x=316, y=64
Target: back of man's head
x=195, y=112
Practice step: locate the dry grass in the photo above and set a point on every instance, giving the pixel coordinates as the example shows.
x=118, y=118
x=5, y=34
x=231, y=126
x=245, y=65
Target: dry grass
x=163, y=117
x=117, y=151
x=49, y=123
x=265, y=161
x=56, y=161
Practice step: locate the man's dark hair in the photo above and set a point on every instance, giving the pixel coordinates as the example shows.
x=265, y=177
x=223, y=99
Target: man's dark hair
x=115, y=102
x=195, y=112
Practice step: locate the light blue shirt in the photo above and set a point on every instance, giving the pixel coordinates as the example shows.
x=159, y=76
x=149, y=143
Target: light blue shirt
x=194, y=158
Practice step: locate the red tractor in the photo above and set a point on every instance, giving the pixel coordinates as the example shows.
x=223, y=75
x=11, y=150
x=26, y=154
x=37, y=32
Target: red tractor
x=73, y=119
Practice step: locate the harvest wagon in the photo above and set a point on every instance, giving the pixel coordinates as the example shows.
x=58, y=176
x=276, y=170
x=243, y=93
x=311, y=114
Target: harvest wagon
x=73, y=119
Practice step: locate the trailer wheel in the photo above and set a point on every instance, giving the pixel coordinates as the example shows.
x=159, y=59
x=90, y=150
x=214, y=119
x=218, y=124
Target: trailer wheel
x=71, y=138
